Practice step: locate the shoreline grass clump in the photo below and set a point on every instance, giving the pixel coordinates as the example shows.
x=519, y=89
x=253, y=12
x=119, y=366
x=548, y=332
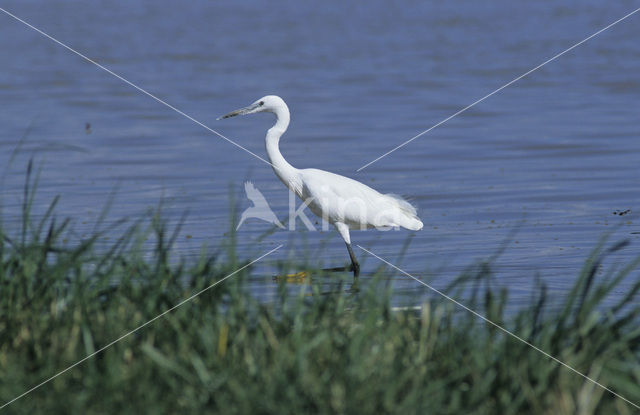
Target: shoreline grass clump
x=225, y=352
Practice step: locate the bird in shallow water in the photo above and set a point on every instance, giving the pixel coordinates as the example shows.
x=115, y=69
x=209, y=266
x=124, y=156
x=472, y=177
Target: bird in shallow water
x=343, y=202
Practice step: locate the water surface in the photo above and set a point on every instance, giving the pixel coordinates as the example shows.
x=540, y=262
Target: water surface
x=553, y=155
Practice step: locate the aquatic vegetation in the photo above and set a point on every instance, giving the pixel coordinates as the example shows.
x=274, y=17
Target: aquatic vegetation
x=225, y=352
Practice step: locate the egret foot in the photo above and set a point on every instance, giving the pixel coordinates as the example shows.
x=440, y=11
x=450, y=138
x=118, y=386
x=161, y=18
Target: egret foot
x=355, y=267
x=337, y=269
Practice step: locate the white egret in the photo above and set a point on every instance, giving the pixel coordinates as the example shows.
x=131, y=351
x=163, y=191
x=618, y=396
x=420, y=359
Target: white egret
x=343, y=202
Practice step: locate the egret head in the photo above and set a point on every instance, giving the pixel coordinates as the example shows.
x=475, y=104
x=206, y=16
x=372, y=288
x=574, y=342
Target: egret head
x=269, y=103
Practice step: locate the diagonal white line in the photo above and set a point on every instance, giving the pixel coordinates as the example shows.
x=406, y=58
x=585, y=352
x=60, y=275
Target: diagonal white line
x=139, y=327
x=498, y=90
x=134, y=85
x=500, y=327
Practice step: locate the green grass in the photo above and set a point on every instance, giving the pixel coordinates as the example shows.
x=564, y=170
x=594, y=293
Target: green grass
x=224, y=352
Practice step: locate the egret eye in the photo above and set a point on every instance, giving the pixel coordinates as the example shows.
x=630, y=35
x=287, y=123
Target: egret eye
x=261, y=103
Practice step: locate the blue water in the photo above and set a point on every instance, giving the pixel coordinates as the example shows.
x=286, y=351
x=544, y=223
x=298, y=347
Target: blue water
x=551, y=156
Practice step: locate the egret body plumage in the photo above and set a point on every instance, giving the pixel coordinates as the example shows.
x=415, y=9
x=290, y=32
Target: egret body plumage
x=343, y=202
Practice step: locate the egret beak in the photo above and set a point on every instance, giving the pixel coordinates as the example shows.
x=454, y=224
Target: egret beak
x=241, y=111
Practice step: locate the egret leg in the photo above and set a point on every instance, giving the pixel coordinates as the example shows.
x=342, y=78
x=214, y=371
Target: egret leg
x=355, y=266
x=343, y=230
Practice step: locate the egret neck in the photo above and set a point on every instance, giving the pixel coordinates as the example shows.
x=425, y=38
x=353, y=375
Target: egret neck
x=285, y=171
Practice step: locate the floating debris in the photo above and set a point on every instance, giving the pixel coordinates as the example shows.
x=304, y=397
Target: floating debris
x=297, y=278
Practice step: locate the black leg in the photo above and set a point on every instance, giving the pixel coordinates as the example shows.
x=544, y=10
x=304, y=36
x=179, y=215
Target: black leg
x=355, y=267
